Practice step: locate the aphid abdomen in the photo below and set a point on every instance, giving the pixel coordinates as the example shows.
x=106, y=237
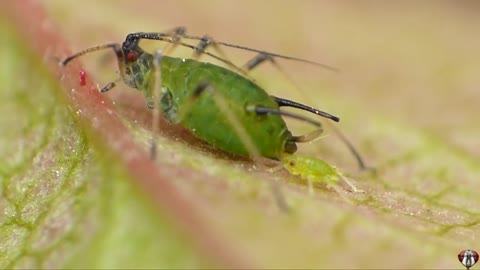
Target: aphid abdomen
x=208, y=121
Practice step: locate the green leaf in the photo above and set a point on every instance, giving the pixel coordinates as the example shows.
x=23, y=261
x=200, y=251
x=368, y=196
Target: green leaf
x=64, y=202
x=406, y=95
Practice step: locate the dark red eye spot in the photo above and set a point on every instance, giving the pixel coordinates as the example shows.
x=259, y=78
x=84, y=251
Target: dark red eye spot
x=132, y=56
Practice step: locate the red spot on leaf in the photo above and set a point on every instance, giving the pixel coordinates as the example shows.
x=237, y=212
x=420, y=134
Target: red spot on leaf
x=83, y=77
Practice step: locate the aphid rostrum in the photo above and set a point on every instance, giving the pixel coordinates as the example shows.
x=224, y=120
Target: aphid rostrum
x=221, y=106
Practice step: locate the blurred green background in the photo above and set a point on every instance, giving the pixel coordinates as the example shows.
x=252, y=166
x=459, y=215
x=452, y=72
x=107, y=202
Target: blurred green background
x=407, y=94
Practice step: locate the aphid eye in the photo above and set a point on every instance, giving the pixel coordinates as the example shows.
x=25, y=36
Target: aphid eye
x=292, y=163
x=132, y=56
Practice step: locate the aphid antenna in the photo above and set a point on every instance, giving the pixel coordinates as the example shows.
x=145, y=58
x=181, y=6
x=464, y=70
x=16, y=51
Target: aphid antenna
x=115, y=46
x=118, y=53
x=168, y=38
x=174, y=40
x=269, y=53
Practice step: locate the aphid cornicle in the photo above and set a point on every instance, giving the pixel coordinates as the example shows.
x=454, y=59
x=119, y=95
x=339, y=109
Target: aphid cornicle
x=220, y=106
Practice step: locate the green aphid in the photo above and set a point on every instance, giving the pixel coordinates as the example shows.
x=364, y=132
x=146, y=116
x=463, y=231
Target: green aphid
x=221, y=106
x=312, y=169
x=315, y=171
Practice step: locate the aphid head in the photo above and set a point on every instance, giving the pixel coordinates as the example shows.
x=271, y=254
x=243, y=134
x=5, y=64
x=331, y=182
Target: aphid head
x=130, y=48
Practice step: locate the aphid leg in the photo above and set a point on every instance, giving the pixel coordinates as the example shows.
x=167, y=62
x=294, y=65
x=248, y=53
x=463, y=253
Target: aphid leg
x=303, y=138
x=220, y=101
x=177, y=31
x=342, y=191
x=118, y=53
x=155, y=98
x=257, y=60
x=276, y=168
x=107, y=87
x=311, y=190
x=279, y=196
x=313, y=135
x=288, y=103
x=206, y=88
x=202, y=46
x=342, y=194
x=262, y=58
x=207, y=41
x=265, y=52
x=176, y=36
x=352, y=149
x=352, y=187
x=110, y=85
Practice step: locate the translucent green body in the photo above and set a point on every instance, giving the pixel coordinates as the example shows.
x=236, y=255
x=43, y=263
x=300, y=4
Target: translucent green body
x=203, y=117
x=311, y=169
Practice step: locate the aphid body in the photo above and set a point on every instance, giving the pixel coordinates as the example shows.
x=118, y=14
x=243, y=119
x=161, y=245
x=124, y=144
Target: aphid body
x=316, y=171
x=181, y=79
x=311, y=169
x=220, y=106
